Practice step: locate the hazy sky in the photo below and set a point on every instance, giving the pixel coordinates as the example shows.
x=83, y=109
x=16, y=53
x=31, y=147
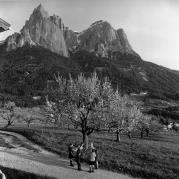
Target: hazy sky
x=152, y=26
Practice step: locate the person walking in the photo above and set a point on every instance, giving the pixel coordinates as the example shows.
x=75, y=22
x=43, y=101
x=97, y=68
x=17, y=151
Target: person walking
x=96, y=158
x=92, y=159
x=78, y=156
x=71, y=154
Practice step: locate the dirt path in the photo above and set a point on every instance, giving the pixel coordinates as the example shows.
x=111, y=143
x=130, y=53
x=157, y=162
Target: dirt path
x=32, y=158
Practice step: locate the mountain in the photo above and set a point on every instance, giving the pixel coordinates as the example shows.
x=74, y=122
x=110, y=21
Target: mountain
x=102, y=39
x=132, y=75
x=29, y=60
x=26, y=72
x=50, y=32
x=43, y=30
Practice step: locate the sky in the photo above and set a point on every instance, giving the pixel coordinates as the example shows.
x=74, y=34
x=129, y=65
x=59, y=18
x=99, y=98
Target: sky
x=152, y=26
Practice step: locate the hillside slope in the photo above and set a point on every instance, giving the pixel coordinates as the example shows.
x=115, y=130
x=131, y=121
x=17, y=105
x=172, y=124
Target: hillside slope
x=132, y=75
x=27, y=72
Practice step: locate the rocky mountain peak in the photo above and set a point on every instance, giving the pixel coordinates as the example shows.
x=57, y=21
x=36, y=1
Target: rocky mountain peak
x=43, y=30
x=55, y=19
x=51, y=33
x=104, y=30
x=124, y=41
x=100, y=23
x=40, y=11
x=102, y=39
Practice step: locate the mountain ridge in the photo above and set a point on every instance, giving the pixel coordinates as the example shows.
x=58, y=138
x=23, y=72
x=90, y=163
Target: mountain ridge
x=41, y=29
x=51, y=33
x=28, y=60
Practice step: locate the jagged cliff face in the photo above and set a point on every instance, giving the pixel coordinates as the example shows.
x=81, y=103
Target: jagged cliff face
x=49, y=32
x=41, y=29
x=18, y=40
x=71, y=39
x=103, y=39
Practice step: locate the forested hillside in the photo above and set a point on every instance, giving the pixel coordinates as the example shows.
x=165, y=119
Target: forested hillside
x=27, y=72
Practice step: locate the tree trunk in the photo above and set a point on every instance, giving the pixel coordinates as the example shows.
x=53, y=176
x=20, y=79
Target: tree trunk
x=28, y=124
x=85, y=139
x=117, y=136
x=147, y=132
x=141, y=134
x=8, y=124
x=129, y=134
x=109, y=130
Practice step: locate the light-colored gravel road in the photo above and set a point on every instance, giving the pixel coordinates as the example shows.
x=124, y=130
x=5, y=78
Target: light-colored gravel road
x=46, y=163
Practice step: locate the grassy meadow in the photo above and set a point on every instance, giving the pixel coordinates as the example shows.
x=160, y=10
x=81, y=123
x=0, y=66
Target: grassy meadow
x=154, y=157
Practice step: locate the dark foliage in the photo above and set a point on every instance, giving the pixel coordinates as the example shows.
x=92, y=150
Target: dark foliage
x=26, y=72
x=125, y=72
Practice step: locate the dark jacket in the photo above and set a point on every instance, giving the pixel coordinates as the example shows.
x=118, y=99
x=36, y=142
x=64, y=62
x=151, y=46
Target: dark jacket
x=70, y=152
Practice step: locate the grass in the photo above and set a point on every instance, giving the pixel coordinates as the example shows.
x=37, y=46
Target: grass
x=156, y=156
x=15, y=141
x=18, y=174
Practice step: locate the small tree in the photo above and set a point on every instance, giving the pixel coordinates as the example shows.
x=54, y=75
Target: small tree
x=29, y=120
x=29, y=115
x=124, y=114
x=7, y=113
x=144, y=125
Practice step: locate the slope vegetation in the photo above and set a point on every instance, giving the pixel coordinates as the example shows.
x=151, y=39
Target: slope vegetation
x=27, y=72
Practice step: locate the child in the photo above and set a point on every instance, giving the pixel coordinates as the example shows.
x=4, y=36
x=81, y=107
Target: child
x=92, y=160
